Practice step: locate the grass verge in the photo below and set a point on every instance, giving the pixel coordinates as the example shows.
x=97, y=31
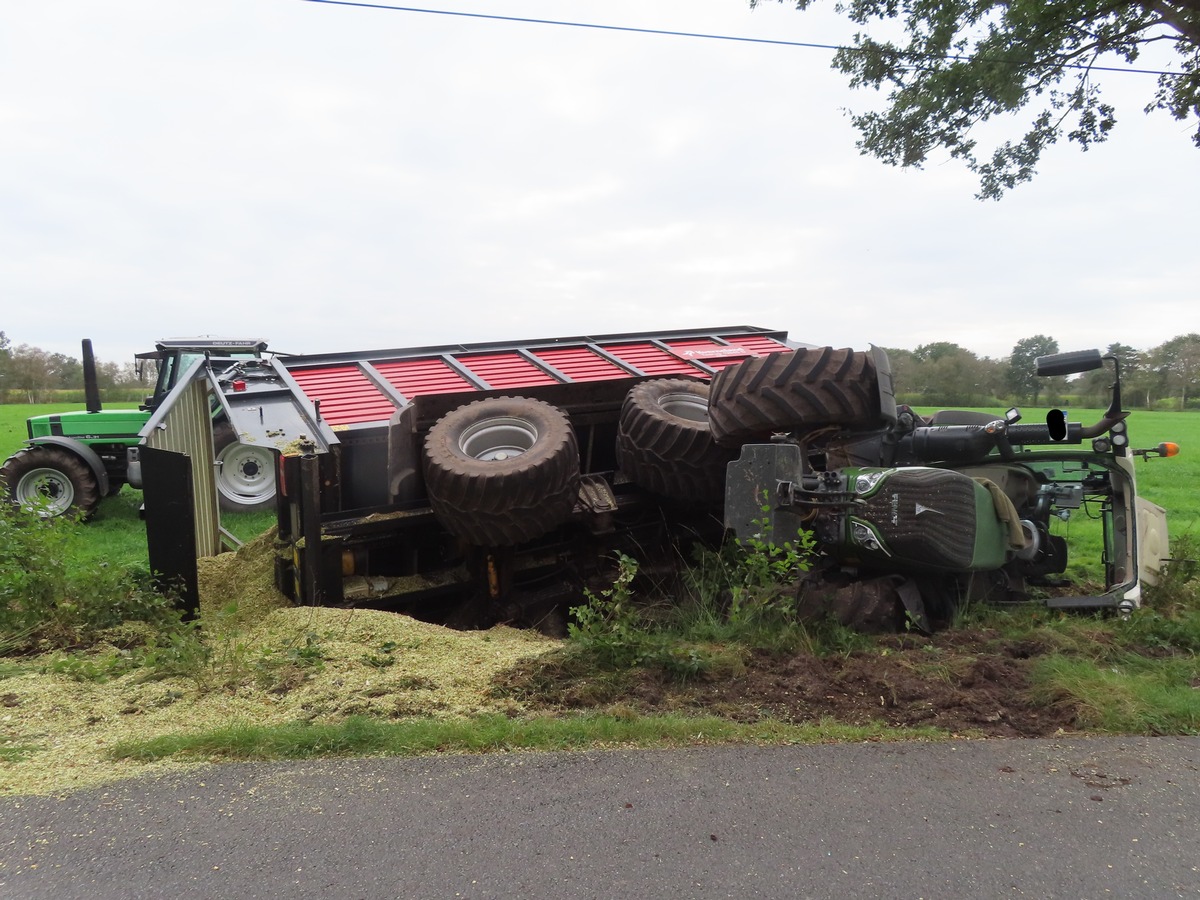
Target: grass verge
x=362, y=736
x=1131, y=695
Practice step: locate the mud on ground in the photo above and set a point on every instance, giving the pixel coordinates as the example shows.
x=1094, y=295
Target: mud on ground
x=967, y=683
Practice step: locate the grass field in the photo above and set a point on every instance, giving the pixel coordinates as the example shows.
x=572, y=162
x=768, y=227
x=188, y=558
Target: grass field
x=117, y=534
x=12, y=421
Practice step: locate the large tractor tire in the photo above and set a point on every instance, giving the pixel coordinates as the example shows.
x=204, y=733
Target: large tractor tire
x=502, y=471
x=245, y=472
x=793, y=391
x=664, y=442
x=51, y=482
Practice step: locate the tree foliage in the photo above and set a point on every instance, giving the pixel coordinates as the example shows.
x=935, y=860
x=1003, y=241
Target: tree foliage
x=5, y=354
x=1178, y=363
x=937, y=351
x=947, y=375
x=30, y=373
x=944, y=375
x=964, y=62
x=1023, y=379
x=1096, y=383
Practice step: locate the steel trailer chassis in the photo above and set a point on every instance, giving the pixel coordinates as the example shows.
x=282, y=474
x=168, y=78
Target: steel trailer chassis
x=348, y=431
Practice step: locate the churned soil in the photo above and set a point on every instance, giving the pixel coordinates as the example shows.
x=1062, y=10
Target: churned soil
x=961, y=682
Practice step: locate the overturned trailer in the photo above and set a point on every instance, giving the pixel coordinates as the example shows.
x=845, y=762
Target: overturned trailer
x=468, y=482
x=492, y=482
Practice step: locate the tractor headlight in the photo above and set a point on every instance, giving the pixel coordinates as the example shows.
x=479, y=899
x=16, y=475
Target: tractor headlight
x=1120, y=434
x=865, y=537
x=864, y=482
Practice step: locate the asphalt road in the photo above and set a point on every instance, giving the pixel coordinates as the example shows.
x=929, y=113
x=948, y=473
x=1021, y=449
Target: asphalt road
x=1079, y=818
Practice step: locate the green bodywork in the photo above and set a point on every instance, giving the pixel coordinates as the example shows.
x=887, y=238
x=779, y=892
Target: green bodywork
x=107, y=426
x=909, y=526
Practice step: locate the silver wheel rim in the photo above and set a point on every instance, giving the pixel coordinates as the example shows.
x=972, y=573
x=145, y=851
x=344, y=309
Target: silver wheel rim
x=497, y=439
x=685, y=406
x=246, y=474
x=47, y=492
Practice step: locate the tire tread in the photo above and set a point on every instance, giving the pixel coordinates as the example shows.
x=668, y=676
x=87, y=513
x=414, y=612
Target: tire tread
x=797, y=390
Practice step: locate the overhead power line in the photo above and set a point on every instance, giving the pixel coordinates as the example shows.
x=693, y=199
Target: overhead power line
x=686, y=34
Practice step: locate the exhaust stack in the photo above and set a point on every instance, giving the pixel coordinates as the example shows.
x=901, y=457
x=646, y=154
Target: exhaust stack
x=91, y=387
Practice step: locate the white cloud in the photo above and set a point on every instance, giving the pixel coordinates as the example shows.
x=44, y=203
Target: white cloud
x=339, y=178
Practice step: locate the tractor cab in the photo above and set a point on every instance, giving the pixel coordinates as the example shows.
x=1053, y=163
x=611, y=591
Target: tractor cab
x=173, y=357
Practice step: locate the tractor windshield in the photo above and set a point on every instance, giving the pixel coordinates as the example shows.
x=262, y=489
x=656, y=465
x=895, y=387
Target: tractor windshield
x=172, y=365
x=1085, y=501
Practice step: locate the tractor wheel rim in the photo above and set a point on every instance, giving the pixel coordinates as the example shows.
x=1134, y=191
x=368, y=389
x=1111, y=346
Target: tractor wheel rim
x=46, y=492
x=685, y=406
x=246, y=474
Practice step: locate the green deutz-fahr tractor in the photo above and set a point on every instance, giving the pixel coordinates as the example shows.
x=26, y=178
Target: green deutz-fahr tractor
x=72, y=460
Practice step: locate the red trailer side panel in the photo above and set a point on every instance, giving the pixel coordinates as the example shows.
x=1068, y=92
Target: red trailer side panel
x=348, y=395
x=345, y=393
x=414, y=377
x=507, y=370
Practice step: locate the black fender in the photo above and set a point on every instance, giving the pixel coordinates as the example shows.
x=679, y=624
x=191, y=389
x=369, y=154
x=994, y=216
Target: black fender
x=83, y=451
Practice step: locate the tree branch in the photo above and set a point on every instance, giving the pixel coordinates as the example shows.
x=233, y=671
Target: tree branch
x=1193, y=5
x=1177, y=19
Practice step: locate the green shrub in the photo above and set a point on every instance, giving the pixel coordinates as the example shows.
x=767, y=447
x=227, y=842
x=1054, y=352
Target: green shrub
x=1169, y=620
x=616, y=633
x=735, y=600
x=760, y=568
x=100, y=668
x=32, y=571
x=745, y=592
x=44, y=602
x=607, y=625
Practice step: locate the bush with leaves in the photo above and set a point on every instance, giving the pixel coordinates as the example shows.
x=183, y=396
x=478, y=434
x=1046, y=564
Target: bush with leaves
x=736, y=599
x=45, y=603
x=607, y=624
x=1169, y=619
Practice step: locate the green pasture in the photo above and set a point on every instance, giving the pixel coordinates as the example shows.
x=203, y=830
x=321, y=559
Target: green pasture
x=12, y=421
x=116, y=533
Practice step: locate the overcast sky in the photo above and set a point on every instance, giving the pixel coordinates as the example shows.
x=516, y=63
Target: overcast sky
x=340, y=178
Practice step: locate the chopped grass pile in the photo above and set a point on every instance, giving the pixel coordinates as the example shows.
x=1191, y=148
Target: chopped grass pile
x=253, y=661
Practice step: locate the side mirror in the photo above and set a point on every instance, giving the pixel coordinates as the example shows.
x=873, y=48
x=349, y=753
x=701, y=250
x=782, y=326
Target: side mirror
x=1069, y=363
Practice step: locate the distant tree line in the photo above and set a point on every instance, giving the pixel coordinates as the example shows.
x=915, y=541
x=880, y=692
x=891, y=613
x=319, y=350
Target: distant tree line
x=944, y=374
x=939, y=374
x=32, y=375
